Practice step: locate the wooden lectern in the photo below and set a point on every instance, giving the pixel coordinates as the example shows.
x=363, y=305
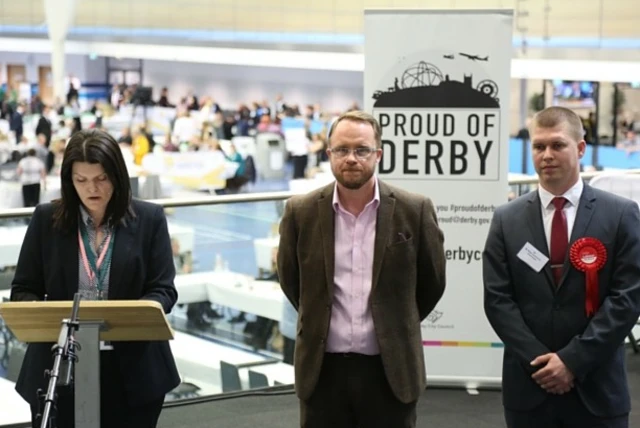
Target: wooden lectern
x=110, y=320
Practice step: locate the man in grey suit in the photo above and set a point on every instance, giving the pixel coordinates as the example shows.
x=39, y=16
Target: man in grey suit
x=363, y=262
x=562, y=289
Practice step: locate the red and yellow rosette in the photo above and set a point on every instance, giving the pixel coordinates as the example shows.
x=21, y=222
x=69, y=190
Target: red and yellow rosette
x=589, y=255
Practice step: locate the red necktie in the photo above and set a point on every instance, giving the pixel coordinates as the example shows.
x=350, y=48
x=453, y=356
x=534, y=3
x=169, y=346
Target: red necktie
x=559, y=238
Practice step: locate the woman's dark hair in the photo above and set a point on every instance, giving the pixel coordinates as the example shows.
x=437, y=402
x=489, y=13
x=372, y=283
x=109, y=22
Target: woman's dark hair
x=95, y=147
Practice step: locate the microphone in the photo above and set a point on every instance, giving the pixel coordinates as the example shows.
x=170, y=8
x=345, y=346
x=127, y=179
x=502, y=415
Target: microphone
x=61, y=374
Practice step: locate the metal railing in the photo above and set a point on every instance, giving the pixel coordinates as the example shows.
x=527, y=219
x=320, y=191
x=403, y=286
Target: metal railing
x=584, y=175
x=181, y=202
x=270, y=196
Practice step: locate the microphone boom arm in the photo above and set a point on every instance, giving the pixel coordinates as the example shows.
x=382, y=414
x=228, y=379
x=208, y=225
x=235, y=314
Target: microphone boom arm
x=65, y=357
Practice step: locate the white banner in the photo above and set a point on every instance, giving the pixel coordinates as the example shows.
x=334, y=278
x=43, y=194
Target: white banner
x=438, y=82
x=200, y=170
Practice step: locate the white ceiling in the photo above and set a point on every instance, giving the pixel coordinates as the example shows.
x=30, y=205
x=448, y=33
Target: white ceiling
x=534, y=18
x=569, y=69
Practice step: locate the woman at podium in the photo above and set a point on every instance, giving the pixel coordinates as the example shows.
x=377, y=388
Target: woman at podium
x=95, y=240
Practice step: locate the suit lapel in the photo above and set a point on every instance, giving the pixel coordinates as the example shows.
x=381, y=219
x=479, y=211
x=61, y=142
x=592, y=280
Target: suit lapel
x=327, y=226
x=70, y=262
x=385, y=214
x=124, y=237
x=327, y=231
x=539, y=240
x=586, y=207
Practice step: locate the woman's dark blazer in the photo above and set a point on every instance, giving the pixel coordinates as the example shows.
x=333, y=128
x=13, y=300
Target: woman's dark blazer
x=141, y=268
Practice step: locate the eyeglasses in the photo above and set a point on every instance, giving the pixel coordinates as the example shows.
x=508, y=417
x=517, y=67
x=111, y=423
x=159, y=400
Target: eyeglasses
x=360, y=152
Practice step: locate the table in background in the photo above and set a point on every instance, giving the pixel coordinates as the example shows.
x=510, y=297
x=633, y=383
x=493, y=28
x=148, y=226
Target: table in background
x=234, y=290
x=264, y=248
x=13, y=409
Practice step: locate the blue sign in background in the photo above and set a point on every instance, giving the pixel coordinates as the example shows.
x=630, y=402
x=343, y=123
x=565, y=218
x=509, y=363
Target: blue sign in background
x=608, y=157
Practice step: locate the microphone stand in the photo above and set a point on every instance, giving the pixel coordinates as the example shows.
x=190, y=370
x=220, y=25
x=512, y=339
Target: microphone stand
x=65, y=357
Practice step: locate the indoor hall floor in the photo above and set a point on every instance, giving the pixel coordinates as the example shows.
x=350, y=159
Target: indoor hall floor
x=229, y=229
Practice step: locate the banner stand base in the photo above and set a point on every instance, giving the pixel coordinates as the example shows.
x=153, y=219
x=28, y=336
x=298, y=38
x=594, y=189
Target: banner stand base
x=471, y=384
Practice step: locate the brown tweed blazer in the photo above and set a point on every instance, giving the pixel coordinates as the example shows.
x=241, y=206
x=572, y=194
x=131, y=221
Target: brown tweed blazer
x=408, y=281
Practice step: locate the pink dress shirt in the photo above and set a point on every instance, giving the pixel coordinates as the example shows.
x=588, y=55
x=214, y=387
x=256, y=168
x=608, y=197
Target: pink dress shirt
x=351, y=328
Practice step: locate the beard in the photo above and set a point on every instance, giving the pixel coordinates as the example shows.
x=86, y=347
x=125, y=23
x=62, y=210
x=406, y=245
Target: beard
x=353, y=181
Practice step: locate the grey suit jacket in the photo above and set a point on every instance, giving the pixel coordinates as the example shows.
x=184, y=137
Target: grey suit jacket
x=533, y=317
x=408, y=281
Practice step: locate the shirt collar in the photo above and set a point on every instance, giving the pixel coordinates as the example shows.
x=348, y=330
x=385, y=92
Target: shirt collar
x=86, y=218
x=376, y=196
x=88, y=221
x=572, y=195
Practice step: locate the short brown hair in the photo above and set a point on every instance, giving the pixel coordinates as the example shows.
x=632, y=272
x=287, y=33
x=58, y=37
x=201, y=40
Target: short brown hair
x=554, y=116
x=360, y=117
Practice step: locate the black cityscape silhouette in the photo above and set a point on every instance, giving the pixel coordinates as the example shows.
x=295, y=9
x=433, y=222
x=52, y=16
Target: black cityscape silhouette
x=423, y=85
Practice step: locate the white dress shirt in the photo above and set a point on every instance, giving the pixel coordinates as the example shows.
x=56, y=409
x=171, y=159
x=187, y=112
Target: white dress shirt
x=570, y=208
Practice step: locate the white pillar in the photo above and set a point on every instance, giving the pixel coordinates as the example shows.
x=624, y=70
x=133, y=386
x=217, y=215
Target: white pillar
x=59, y=15
x=58, y=69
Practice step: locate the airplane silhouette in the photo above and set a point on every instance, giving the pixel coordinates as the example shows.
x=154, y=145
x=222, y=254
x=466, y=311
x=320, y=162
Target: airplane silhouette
x=448, y=56
x=474, y=57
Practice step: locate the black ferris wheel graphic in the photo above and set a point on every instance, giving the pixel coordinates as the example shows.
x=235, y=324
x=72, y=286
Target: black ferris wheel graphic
x=424, y=85
x=421, y=74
